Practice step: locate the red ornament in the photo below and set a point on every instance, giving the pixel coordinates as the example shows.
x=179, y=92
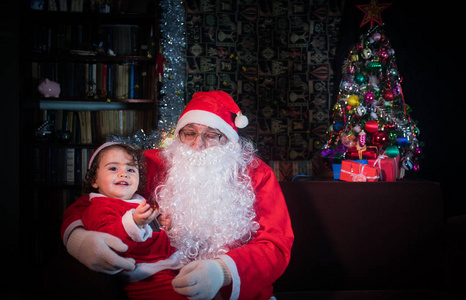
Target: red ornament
x=388, y=95
x=381, y=139
x=371, y=126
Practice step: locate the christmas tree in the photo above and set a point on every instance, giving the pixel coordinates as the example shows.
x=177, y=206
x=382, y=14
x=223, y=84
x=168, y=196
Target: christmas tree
x=370, y=115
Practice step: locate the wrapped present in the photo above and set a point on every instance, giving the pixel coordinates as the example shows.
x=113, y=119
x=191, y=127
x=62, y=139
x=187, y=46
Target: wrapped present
x=389, y=167
x=356, y=172
x=366, y=152
x=337, y=168
x=334, y=156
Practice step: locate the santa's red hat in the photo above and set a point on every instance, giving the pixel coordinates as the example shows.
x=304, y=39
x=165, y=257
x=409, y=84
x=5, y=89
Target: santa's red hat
x=215, y=109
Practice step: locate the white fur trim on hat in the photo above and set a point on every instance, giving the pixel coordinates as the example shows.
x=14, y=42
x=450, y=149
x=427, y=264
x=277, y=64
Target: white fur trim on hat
x=208, y=119
x=241, y=120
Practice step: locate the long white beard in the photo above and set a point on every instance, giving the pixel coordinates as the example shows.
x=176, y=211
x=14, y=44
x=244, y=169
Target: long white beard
x=210, y=198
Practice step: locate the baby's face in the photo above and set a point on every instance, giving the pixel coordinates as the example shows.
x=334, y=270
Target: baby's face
x=117, y=175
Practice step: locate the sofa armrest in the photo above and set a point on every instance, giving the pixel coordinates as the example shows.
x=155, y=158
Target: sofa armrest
x=455, y=234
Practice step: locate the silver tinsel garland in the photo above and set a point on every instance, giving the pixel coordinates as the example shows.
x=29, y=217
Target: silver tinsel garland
x=173, y=43
x=172, y=94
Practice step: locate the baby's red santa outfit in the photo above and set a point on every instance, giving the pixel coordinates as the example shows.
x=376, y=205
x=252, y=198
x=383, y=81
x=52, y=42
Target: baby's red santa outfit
x=256, y=263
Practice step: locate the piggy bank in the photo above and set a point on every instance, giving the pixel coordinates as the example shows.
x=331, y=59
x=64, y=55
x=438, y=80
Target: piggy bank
x=49, y=88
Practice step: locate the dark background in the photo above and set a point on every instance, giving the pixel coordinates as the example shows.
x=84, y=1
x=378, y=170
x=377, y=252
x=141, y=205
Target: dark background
x=430, y=56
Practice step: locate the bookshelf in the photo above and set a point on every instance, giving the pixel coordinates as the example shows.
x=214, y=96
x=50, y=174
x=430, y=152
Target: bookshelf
x=104, y=58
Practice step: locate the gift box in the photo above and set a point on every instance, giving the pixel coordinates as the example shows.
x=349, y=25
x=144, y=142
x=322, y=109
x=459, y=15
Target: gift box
x=337, y=168
x=333, y=156
x=367, y=152
x=356, y=172
x=389, y=167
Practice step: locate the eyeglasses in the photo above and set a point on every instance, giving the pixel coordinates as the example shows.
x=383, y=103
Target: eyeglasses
x=208, y=137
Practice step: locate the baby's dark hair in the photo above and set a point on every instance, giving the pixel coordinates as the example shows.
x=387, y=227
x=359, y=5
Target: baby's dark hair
x=138, y=159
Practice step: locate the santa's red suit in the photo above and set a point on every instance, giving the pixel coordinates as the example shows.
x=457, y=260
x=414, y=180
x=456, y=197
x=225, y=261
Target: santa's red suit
x=255, y=266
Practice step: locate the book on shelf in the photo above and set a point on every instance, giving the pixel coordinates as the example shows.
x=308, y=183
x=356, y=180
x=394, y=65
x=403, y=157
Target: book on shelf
x=122, y=39
x=56, y=165
x=97, y=80
x=92, y=127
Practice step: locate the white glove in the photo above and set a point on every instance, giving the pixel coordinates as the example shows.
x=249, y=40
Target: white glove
x=96, y=251
x=200, y=279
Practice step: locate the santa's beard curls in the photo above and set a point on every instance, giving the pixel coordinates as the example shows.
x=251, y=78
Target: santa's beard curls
x=210, y=198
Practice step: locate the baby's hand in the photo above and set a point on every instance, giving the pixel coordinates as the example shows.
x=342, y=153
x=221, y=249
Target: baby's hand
x=144, y=214
x=165, y=220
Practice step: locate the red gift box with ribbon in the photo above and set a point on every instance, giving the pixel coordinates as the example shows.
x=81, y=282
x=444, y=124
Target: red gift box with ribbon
x=358, y=153
x=389, y=167
x=356, y=172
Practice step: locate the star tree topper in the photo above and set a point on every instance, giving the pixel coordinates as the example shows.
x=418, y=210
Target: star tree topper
x=372, y=12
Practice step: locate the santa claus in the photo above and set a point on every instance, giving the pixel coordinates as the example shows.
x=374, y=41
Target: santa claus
x=222, y=208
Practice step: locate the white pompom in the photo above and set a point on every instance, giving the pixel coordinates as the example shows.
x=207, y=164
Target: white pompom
x=241, y=121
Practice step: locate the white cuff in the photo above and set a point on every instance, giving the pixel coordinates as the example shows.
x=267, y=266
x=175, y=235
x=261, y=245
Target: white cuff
x=75, y=240
x=69, y=229
x=132, y=229
x=235, y=280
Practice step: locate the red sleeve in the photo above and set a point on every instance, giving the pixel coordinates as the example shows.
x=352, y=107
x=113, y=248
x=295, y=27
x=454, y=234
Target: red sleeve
x=105, y=215
x=264, y=259
x=74, y=212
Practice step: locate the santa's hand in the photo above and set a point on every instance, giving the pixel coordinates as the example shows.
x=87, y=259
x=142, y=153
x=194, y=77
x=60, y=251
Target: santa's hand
x=200, y=279
x=165, y=220
x=94, y=250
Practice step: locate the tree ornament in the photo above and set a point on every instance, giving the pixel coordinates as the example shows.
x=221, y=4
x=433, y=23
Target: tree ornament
x=369, y=97
x=381, y=139
x=394, y=72
x=374, y=65
x=361, y=110
x=360, y=78
x=376, y=36
x=366, y=53
x=402, y=141
x=407, y=163
x=392, y=151
x=371, y=126
x=362, y=138
x=348, y=140
x=338, y=126
x=383, y=54
x=372, y=12
x=388, y=95
x=416, y=165
x=353, y=100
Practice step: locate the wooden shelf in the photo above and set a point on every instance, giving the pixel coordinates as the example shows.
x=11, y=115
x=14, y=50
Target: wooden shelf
x=59, y=134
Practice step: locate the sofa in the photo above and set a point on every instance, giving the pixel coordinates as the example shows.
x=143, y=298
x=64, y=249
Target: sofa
x=373, y=240
x=370, y=240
